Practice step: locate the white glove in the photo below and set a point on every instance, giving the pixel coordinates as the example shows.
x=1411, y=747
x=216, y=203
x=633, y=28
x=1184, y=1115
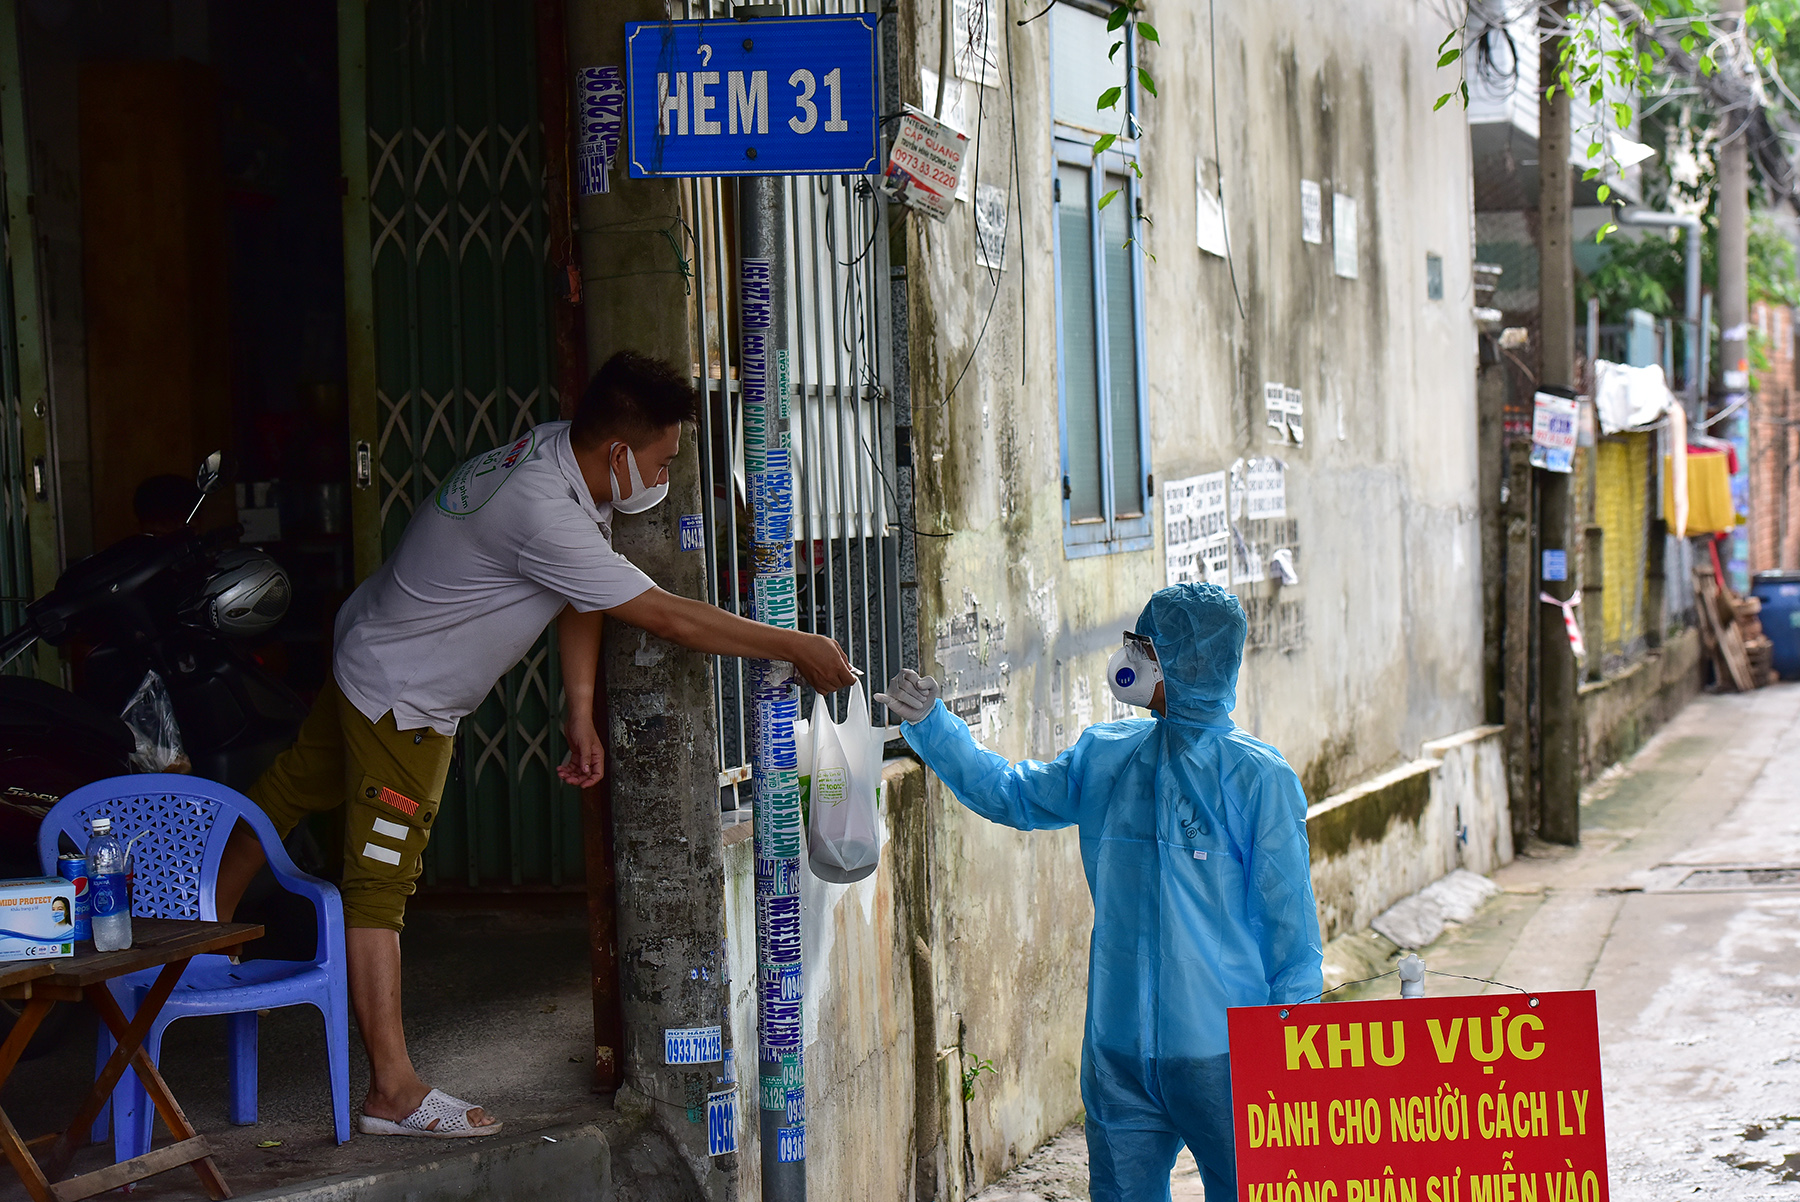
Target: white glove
x=910, y=695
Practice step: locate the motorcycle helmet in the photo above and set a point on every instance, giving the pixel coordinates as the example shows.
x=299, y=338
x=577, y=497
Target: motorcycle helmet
x=247, y=595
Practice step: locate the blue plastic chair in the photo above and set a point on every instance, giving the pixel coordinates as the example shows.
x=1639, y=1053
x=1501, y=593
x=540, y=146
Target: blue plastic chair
x=177, y=868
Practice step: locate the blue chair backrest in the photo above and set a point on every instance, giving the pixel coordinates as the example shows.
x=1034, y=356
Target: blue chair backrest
x=185, y=822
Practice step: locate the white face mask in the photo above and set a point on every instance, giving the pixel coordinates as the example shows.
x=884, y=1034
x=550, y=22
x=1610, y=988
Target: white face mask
x=642, y=497
x=1133, y=676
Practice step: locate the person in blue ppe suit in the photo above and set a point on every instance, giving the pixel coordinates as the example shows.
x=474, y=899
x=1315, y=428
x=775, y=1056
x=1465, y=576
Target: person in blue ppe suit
x=1193, y=840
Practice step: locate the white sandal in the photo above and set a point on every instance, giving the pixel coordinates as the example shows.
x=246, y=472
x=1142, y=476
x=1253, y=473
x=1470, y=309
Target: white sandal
x=439, y=1116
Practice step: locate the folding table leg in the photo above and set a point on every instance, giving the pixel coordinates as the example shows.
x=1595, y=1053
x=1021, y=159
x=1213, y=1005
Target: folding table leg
x=17, y=1154
x=131, y=1037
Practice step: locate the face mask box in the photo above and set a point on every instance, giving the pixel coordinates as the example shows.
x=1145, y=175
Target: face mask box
x=37, y=918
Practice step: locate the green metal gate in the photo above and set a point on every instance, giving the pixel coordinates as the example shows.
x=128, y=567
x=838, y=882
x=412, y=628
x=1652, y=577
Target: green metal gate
x=30, y=546
x=452, y=353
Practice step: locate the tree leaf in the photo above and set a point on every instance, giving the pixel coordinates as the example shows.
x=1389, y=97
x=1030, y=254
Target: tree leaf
x=1603, y=192
x=1104, y=143
x=1108, y=198
x=1590, y=173
x=1148, y=32
x=1593, y=150
x=1135, y=170
x=1454, y=30
x=1442, y=101
x=1113, y=51
x=1622, y=113
x=1120, y=15
x=1448, y=57
x=1109, y=98
x=1148, y=83
x=1688, y=42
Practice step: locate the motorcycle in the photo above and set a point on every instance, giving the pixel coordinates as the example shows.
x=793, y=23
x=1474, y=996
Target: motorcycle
x=177, y=606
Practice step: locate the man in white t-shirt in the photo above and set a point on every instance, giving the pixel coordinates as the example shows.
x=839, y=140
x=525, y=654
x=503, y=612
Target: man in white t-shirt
x=512, y=540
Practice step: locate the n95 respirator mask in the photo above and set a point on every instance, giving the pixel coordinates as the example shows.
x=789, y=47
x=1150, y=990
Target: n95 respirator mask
x=1132, y=673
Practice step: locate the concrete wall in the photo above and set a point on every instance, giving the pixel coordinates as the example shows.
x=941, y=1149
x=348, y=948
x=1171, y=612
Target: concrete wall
x=1381, y=647
x=1394, y=834
x=1620, y=713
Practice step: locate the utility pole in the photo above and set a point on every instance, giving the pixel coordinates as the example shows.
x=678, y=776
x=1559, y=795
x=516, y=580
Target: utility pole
x=1734, y=205
x=763, y=378
x=1734, y=241
x=1558, y=700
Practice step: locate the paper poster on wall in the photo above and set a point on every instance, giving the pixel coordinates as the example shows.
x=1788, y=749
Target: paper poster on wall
x=990, y=226
x=1209, y=225
x=1196, y=534
x=962, y=109
x=925, y=164
x=1275, y=409
x=1552, y=432
x=975, y=44
x=1343, y=235
x=1265, y=488
x=1296, y=429
x=1312, y=215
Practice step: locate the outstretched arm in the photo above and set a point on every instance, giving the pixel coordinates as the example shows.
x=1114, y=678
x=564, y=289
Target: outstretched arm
x=1282, y=904
x=1028, y=796
x=702, y=627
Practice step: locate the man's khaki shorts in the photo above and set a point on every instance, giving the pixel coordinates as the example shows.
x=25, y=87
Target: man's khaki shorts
x=389, y=782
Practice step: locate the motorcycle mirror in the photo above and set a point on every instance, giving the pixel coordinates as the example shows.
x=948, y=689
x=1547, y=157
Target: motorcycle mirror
x=206, y=479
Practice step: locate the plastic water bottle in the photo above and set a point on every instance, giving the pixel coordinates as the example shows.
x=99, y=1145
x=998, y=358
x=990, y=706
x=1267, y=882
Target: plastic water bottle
x=110, y=889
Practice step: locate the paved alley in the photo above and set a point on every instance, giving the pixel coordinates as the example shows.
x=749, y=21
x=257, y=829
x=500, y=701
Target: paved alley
x=1681, y=909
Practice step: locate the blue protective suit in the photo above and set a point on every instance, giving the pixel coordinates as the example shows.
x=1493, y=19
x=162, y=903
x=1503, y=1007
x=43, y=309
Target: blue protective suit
x=1193, y=839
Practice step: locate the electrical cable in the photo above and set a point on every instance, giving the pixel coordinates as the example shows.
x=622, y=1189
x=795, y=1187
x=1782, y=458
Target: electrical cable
x=988, y=316
x=1212, y=53
x=1012, y=109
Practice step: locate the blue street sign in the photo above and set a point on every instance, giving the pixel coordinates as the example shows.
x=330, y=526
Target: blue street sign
x=766, y=96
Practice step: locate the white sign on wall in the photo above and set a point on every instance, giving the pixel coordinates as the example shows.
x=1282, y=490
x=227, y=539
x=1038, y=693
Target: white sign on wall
x=1312, y=216
x=1196, y=534
x=1209, y=223
x=1343, y=235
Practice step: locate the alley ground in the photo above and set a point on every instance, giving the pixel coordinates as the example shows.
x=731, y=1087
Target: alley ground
x=1681, y=910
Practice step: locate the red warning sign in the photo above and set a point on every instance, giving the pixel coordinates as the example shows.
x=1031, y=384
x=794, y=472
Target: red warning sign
x=1457, y=1099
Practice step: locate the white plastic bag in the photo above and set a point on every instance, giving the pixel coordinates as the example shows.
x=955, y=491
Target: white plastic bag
x=843, y=841
x=151, y=717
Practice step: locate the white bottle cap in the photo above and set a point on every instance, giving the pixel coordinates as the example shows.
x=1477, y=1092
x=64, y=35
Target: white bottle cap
x=101, y=826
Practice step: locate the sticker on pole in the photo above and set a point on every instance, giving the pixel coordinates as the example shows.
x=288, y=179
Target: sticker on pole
x=1460, y=1099
x=1552, y=432
x=693, y=1045
x=721, y=1122
x=766, y=96
x=925, y=165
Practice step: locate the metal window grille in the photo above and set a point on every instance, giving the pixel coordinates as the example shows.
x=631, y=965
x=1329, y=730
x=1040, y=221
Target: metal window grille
x=853, y=550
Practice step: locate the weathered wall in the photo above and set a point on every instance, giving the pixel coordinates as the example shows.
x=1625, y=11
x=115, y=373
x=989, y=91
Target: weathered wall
x=1394, y=834
x=859, y=1022
x=1620, y=713
x=1382, y=495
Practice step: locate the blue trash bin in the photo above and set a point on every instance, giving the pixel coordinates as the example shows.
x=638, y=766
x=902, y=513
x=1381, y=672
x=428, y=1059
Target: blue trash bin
x=1780, y=595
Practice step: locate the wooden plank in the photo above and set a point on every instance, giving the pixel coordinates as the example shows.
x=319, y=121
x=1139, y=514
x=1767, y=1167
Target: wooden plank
x=23, y=1162
x=136, y=1169
x=132, y=1036
x=25, y=970
x=21, y=1034
x=163, y=940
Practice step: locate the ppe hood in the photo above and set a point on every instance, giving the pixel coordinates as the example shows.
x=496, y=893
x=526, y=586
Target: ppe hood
x=1198, y=630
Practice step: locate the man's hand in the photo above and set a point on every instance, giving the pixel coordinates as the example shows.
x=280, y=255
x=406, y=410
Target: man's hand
x=910, y=695
x=822, y=662
x=586, y=762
